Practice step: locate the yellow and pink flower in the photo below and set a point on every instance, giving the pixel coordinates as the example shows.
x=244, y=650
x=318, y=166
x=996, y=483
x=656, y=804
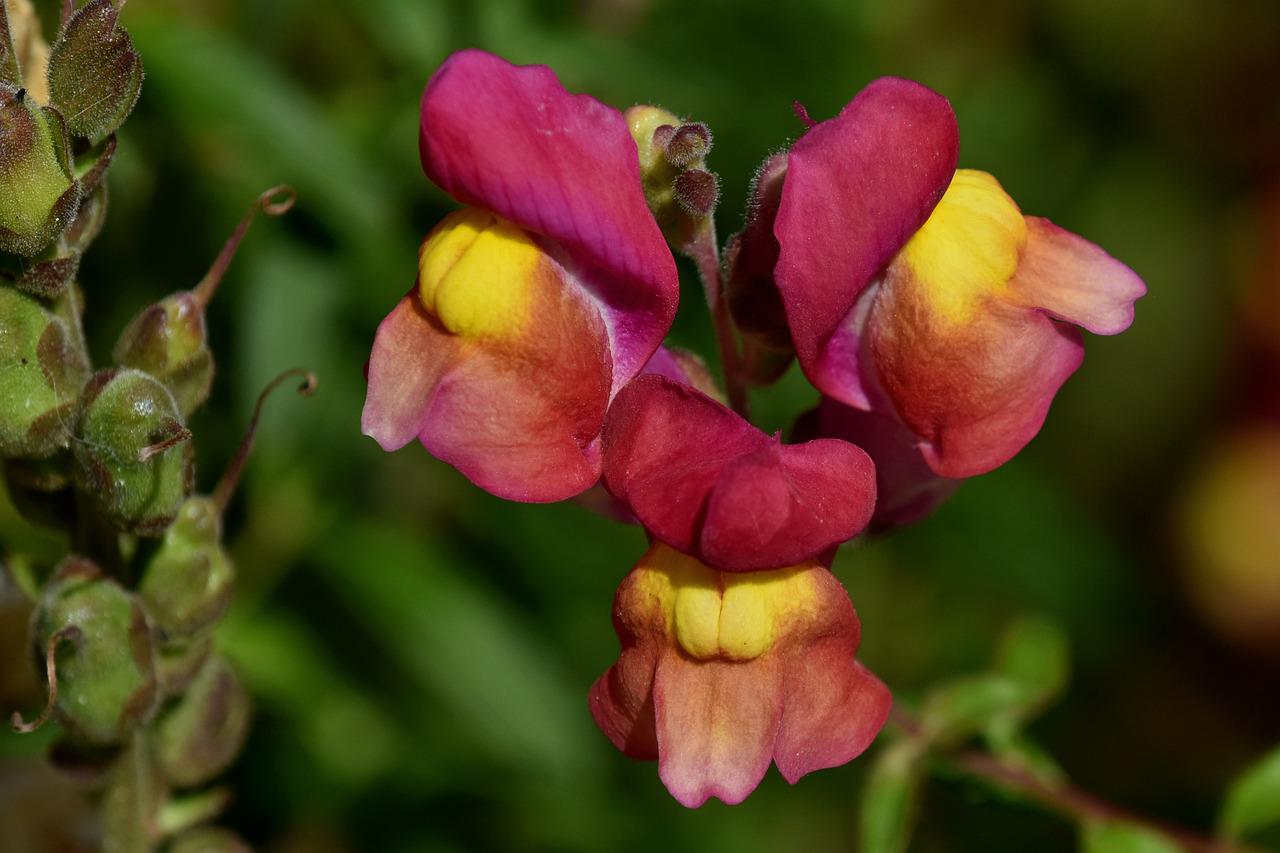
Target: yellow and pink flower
x=535, y=303
x=723, y=673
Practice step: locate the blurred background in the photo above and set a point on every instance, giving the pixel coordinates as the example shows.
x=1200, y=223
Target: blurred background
x=419, y=652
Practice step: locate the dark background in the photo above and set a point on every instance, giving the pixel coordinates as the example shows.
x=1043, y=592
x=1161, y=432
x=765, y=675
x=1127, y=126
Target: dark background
x=419, y=652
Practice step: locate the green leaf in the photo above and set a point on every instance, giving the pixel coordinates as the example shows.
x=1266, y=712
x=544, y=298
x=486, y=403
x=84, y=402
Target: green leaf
x=1034, y=653
x=1253, y=801
x=961, y=708
x=890, y=797
x=1119, y=837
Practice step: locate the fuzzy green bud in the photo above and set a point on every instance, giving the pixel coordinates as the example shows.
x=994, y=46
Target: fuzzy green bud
x=38, y=194
x=103, y=681
x=133, y=453
x=188, y=583
x=169, y=341
x=41, y=372
x=198, y=737
x=95, y=75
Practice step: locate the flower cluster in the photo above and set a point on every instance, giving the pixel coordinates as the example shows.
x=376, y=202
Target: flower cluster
x=935, y=319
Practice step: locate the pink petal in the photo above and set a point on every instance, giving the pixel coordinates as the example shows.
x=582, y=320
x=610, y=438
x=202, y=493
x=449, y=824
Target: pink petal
x=975, y=392
x=716, y=722
x=857, y=187
x=835, y=707
x=1074, y=280
x=706, y=482
x=512, y=140
x=411, y=352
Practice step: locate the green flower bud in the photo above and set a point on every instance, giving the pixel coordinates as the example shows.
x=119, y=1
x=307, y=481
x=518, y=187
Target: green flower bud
x=188, y=583
x=41, y=373
x=178, y=663
x=169, y=341
x=38, y=194
x=209, y=839
x=98, y=645
x=95, y=75
x=198, y=737
x=134, y=795
x=133, y=453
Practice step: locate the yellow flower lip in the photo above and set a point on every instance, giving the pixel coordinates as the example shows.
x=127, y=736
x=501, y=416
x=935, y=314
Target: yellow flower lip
x=476, y=273
x=969, y=247
x=733, y=616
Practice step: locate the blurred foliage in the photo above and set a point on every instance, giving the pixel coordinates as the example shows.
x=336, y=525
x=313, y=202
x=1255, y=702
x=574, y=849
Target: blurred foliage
x=419, y=652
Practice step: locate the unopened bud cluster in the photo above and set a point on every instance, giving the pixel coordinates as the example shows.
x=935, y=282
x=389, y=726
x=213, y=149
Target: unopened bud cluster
x=123, y=627
x=681, y=192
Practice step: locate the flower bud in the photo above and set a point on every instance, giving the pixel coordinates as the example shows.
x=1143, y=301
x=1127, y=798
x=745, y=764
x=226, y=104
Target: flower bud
x=198, y=737
x=177, y=663
x=41, y=372
x=187, y=585
x=131, y=802
x=95, y=75
x=48, y=274
x=38, y=195
x=681, y=193
x=168, y=341
x=753, y=296
x=98, y=644
x=133, y=453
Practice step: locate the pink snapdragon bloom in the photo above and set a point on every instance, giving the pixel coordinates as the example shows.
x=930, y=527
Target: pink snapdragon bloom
x=705, y=481
x=535, y=303
x=722, y=673
x=923, y=292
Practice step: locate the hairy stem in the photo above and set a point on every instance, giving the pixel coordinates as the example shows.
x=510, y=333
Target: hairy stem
x=702, y=250
x=1062, y=797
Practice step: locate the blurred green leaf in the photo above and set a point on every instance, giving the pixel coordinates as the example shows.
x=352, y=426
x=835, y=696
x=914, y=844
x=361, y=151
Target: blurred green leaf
x=463, y=646
x=1253, y=801
x=890, y=797
x=960, y=708
x=1034, y=653
x=1118, y=837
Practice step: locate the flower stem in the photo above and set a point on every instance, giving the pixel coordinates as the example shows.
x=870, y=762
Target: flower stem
x=1062, y=797
x=705, y=255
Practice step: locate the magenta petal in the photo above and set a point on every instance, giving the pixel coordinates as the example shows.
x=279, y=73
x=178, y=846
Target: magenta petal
x=857, y=187
x=512, y=140
x=706, y=482
x=665, y=445
x=769, y=508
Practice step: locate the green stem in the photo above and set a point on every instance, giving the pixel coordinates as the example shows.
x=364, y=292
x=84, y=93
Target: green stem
x=1061, y=797
x=705, y=255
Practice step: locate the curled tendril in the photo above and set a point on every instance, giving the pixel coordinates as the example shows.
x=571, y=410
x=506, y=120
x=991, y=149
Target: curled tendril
x=231, y=477
x=273, y=202
x=67, y=632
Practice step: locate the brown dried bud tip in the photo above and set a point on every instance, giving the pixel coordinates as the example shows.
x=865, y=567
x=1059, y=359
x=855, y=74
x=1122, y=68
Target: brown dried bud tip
x=688, y=144
x=697, y=192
